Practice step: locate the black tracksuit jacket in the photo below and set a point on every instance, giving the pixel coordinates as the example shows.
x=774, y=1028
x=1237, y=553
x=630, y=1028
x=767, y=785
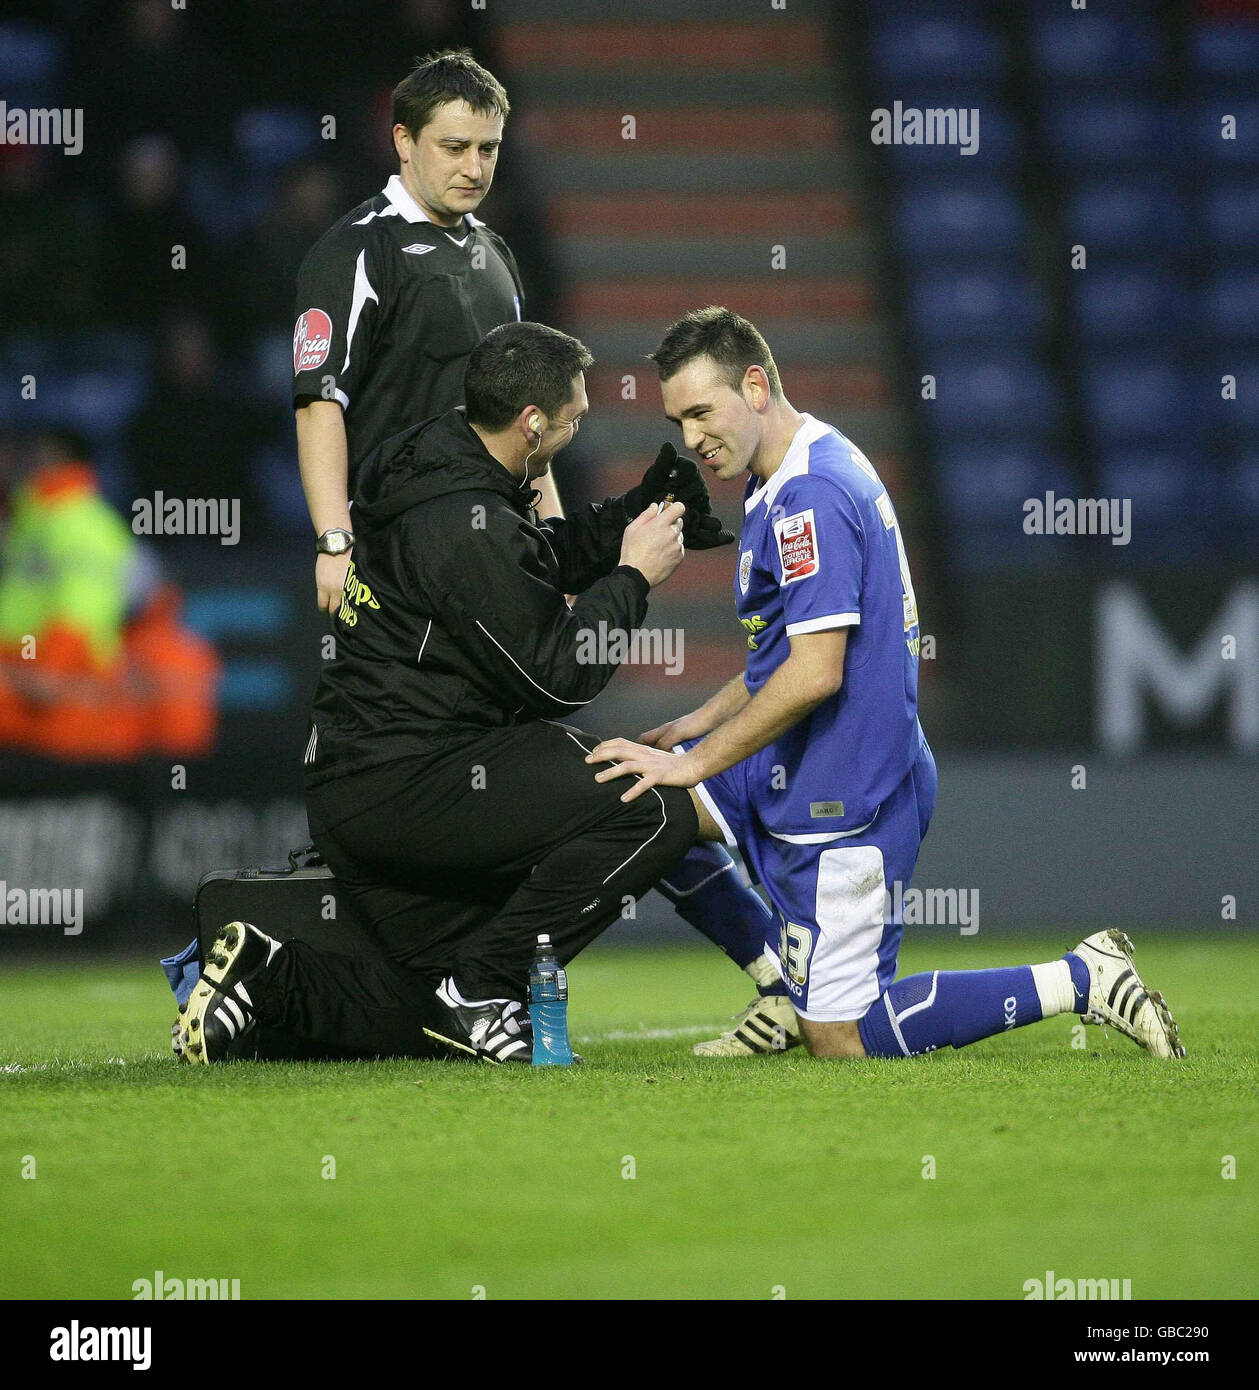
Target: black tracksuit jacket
x=453, y=616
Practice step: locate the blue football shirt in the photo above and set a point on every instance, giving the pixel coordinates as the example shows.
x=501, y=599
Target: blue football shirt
x=820, y=548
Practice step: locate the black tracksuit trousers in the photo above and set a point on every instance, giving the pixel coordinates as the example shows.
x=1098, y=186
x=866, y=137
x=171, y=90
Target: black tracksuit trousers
x=460, y=857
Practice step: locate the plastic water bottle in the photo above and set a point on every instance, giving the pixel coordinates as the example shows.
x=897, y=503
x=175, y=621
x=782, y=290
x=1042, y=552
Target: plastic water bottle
x=548, y=1008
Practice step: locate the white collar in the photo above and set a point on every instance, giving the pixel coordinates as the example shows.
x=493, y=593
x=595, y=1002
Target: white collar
x=410, y=211
x=795, y=461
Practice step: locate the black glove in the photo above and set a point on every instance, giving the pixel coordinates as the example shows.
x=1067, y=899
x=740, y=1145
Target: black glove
x=679, y=478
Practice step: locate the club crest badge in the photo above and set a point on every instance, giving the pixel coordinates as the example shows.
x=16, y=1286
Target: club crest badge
x=745, y=571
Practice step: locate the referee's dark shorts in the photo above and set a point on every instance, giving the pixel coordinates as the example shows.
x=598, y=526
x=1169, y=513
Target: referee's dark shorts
x=459, y=858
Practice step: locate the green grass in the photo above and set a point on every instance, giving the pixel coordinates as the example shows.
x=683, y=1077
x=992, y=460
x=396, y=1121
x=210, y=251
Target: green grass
x=776, y=1171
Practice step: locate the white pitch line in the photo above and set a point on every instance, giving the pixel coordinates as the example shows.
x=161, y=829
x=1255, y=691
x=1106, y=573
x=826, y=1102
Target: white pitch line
x=647, y=1034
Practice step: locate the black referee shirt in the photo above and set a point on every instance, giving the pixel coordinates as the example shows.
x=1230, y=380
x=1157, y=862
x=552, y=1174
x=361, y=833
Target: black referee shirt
x=389, y=306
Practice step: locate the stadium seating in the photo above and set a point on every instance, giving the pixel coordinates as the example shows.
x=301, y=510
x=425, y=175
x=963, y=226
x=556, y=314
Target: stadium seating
x=977, y=306
x=932, y=48
x=1140, y=217
x=1128, y=305
x=946, y=219
x=30, y=63
x=1103, y=50
x=1106, y=376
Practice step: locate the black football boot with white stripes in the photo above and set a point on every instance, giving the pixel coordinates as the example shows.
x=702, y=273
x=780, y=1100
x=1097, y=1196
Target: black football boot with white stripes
x=1118, y=997
x=491, y=1030
x=220, y=1010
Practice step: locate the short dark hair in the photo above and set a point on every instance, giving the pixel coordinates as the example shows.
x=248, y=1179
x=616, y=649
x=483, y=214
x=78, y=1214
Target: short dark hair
x=452, y=74
x=728, y=338
x=520, y=364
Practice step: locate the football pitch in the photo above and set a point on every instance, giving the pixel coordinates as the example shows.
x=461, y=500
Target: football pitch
x=647, y=1173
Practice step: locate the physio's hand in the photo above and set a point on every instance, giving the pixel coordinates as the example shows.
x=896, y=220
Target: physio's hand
x=676, y=731
x=652, y=542
x=330, y=572
x=652, y=766
x=680, y=479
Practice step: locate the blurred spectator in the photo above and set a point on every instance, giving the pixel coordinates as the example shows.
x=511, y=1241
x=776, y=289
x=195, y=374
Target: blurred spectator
x=141, y=284
x=307, y=201
x=47, y=245
x=152, y=69
x=94, y=665
x=190, y=437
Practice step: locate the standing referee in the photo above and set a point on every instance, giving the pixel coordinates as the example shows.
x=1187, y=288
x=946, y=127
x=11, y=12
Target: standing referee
x=394, y=297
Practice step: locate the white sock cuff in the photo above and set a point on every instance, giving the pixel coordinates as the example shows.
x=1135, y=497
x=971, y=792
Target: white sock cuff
x=764, y=970
x=1054, y=988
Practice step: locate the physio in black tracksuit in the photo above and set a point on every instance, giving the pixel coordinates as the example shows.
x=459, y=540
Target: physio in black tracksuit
x=443, y=788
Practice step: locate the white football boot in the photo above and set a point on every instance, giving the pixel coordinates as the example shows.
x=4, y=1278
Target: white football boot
x=1118, y=998
x=768, y=1024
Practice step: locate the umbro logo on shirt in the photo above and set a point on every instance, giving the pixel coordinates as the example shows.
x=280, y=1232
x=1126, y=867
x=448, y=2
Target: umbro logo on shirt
x=417, y=248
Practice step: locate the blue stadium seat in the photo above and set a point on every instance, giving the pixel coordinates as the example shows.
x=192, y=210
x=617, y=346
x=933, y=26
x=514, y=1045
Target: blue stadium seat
x=984, y=491
x=1093, y=47
x=1232, y=422
x=991, y=399
x=1226, y=49
x=1206, y=134
x=1114, y=306
x=961, y=218
x=1107, y=132
x=270, y=137
x=30, y=63
x=965, y=305
x=1139, y=218
x=997, y=146
x=1230, y=306
x=223, y=203
x=271, y=366
x=945, y=10
x=1241, y=415
x=990, y=483
x=1137, y=9
x=1241, y=492
x=101, y=349
x=1231, y=214
x=1175, y=505
x=919, y=48
x=279, y=482
x=98, y=404
x=1134, y=401
x=1165, y=487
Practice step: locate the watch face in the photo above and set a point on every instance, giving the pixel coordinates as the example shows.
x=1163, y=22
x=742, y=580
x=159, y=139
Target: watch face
x=335, y=542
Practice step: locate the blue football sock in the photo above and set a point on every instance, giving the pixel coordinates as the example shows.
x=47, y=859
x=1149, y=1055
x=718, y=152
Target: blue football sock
x=950, y=1007
x=707, y=892
x=1080, y=982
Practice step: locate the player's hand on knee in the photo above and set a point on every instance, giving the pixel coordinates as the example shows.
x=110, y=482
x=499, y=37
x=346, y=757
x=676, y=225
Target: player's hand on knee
x=330, y=572
x=651, y=766
x=652, y=543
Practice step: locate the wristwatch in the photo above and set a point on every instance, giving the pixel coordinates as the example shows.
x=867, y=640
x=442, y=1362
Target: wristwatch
x=334, y=542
